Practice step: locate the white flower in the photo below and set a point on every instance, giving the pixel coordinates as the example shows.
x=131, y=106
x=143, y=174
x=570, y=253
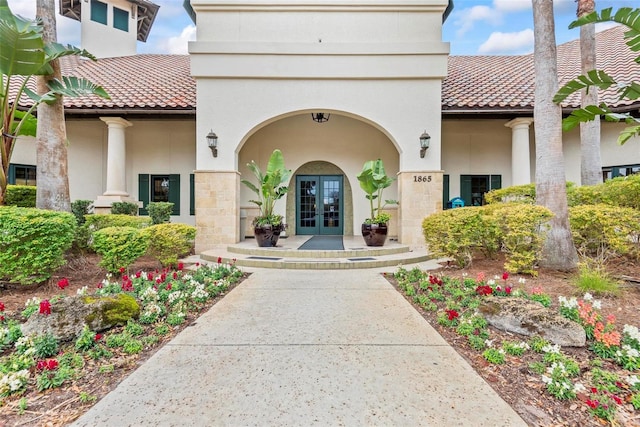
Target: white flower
x=632, y=332
x=496, y=277
x=546, y=379
x=522, y=280
x=83, y=290
x=551, y=348
x=149, y=294
x=491, y=282
x=597, y=304
x=465, y=274
x=488, y=343
x=633, y=380
x=587, y=297
x=579, y=388
x=630, y=351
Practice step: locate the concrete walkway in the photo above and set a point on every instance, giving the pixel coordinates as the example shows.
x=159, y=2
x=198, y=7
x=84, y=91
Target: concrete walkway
x=302, y=348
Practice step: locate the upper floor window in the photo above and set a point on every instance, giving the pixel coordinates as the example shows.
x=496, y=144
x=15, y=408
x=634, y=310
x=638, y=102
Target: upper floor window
x=120, y=19
x=99, y=12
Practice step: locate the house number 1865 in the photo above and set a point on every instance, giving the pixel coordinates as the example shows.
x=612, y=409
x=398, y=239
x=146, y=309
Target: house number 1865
x=421, y=178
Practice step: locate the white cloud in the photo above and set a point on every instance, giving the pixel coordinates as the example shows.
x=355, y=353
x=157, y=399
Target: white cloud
x=178, y=44
x=466, y=18
x=512, y=5
x=508, y=43
x=68, y=29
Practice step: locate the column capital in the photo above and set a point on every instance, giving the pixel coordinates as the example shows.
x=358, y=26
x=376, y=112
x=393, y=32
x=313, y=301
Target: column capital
x=116, y=122
x=519, y=122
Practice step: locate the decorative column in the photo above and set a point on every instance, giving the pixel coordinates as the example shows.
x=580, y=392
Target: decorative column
x=520, y=158
x=420, y=194
x=116, y=158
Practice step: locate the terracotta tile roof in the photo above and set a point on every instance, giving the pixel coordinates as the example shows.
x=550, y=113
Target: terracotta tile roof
x=507, y=83
x=498, y=84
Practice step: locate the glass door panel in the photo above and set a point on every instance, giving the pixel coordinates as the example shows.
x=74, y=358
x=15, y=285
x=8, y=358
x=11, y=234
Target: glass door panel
x=319, y=201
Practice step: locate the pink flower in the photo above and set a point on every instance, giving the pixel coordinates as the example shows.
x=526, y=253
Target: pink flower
x=45, y=307
x=63, y=283
x=611, y=318
x=480, y=277
x=99, y=285
x=537, y=290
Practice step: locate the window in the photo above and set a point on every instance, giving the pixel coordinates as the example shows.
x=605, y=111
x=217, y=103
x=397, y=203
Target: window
x=192, y=194
x=99, y=12
x=120, y=19
x=473, y=187
x=616, y=171
x=22, y=174
x=159, y=188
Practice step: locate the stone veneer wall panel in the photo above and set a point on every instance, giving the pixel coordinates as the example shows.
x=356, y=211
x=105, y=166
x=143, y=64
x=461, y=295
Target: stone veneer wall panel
x=420, y=194
x=217, y=208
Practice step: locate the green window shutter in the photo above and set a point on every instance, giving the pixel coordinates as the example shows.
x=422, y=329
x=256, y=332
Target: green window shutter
x=192, y=194
x=496, y=182
x=465, y=189
x=445, y=191
x=174, y=193
x=121, y=19
x=143, y=193
x=12, y=174
x=99, y=12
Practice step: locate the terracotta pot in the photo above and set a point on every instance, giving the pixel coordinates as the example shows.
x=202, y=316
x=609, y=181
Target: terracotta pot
x=267, y=235
x=374, y=234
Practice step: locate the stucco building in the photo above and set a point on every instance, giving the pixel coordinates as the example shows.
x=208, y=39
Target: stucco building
x=260, y=73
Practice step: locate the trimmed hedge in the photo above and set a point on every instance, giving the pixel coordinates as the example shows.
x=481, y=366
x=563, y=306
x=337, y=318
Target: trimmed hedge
x=160, y=212
x=124, y=208
x=100, y=221
x=603, y=231
x=33, y=243
x=168, y=242
x=21, y=195
x=119, y=246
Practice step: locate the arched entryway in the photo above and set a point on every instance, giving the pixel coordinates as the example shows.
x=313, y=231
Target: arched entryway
x=320, y=200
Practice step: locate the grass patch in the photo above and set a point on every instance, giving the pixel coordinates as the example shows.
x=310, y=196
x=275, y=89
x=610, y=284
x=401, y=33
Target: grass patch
x=595, y=279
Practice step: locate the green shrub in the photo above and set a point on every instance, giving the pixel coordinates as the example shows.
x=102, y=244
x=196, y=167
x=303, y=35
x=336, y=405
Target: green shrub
x=458, y=233
x=124, y=208
x=98, y=222
x=45, y=346
x=33, y=243
x=518, y=193
x=585, y=195
x=593, y=278
x=605, y=231
x=168, y=242
x=119, y=246
x=623, y=191
x=23, y=196
x=80, y=208
x=521, y=234
x=160, y=212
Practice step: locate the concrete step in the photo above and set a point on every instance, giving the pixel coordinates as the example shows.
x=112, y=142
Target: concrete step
x=356, y=255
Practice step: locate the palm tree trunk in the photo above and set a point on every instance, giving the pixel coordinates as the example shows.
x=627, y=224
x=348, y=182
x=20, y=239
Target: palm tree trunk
x=51, y=141
x=558, y=251
x=590, y=160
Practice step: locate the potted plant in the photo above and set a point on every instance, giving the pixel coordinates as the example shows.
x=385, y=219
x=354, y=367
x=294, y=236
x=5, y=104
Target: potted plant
x=373, y=180
x=272, y=186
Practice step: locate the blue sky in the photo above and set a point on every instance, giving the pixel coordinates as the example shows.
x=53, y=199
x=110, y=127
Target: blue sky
x=475, y=27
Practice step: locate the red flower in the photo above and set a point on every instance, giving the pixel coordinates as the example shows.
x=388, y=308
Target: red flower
x=127, y=286
x=98, y=337
x=49, y=365
x=451, y=314
x=508, y=290
x=219, y=260
x=180, y=266
x=163, y=277
x=616, y=399
x=99, y=285
x=122, y=270
x=45, y=307
x=138, y=274
x=175, y=274
x=149, y=276
x=169, y=286
x=197, y=264
x=484, y=290
x=63, y=283
x=1, y=318
x=505, y=275
x=125, y=277
x=1, y=306
x=592, y=403
x=594, y=390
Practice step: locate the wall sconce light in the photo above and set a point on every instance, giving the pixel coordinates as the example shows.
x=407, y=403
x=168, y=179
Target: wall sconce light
x=425, y=139
x=320, y=117
x=212, y=142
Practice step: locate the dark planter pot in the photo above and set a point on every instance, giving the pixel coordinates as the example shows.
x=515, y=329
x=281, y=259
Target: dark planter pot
x=267, y=235
x=374, y=234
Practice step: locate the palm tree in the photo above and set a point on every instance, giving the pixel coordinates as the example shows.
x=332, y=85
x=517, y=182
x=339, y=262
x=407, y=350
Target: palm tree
x=559, y=251
x=590, y=161
x=51, y=148
x=25, y=54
